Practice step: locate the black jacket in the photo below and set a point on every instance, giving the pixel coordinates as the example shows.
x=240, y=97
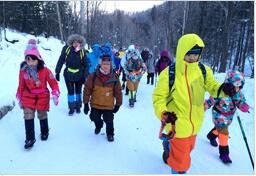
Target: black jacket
x=73, y=60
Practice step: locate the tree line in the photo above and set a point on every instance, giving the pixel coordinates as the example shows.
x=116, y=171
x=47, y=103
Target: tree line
x=226, y=27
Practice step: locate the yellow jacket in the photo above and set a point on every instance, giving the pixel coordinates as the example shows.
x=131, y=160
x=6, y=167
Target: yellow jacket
x=186, y=98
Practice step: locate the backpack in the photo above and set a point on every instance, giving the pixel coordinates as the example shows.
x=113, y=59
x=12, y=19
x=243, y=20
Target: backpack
x=134, y=64
x=68, y=51
x=172, y=73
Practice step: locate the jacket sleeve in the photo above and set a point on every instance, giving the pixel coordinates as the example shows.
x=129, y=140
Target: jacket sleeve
x=21, y=86
x=88, y=88
x=211, y=84
x=52, y=81
x=86, y=65
x=61, y=60
x=161, y=93
x=210, y=102
x=242, y=101
x=118, y=93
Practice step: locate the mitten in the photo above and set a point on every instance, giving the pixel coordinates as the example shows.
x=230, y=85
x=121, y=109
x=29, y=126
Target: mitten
x=55, y=97
x=116, y=108
x=57, y=76
x=244, y=108
x=86, y=108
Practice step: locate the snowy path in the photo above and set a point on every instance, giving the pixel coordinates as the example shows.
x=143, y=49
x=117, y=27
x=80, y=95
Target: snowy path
x=73, y=148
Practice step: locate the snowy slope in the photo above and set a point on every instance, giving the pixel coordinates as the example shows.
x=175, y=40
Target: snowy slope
x=73, y=148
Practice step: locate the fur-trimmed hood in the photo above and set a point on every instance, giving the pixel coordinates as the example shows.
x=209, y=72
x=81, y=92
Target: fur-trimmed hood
x=76, y=37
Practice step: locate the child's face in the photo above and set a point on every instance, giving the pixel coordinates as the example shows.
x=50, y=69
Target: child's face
x=105, y=66
x=76, y=44
x=32, y=62
x=237, y=88
x=191, y=58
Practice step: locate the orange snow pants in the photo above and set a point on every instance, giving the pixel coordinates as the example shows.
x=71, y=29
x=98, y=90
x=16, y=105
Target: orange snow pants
x=222, y=134
x=179, y=156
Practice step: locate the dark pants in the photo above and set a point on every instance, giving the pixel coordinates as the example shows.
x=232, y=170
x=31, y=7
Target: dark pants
x=74, y=87
x=108, y=118
x=150, y=76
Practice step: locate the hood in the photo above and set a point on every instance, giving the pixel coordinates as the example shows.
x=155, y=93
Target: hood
x=185, y=43
x=76, y=37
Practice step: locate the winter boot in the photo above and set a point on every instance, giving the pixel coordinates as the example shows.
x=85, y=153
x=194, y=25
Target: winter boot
x=212, y=137
x=30, y=133
x=110, y=138
x=98, y=127
x=224, y=154
x=166, y=147
x=176, y=172
x=78, y=103
x=71, y=104
x=44, y=129
x=131, y=102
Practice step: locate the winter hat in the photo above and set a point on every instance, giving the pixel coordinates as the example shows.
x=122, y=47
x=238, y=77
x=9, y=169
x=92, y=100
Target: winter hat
x=236, y=78
x=31, y=49
x=195, y=50
x=164, y=53
x=133, y=52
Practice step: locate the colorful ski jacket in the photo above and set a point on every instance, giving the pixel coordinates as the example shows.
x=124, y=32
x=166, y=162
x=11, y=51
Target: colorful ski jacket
x=186, y=98
x=224, y=108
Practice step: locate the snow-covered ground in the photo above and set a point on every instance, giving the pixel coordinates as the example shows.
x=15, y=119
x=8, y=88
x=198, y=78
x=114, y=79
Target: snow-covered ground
x=72, y=146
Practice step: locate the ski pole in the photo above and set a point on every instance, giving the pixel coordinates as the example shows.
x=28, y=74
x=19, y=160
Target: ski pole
x=245, y=140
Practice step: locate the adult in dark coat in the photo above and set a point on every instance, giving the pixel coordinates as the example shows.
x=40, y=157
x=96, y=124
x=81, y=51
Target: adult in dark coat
x=76, y=71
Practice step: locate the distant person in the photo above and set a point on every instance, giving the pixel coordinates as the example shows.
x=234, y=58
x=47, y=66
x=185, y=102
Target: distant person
x=103, y=91
x=163, y=62
x=94, y=57
x=76, y=71
x=223, y=112
x=150, y=63
x=33, y=94
x=118, y=63
x=134, y=69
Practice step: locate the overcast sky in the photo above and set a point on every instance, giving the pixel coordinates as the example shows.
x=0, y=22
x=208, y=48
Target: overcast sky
x=129, y=6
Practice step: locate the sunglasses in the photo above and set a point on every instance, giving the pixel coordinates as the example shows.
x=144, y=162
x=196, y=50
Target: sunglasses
x=105, y=63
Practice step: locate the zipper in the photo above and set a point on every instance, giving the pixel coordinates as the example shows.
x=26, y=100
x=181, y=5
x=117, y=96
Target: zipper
x=190, y=102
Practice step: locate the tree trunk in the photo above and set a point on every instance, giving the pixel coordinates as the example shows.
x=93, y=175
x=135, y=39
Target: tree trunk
x=82, y=17
x=184, y=17
x=59, y=21
x=225, y=37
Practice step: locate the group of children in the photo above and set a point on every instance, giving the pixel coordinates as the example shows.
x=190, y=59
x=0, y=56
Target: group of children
x=102, y=94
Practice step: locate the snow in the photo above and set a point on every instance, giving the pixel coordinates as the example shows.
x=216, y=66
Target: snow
x=72, y=146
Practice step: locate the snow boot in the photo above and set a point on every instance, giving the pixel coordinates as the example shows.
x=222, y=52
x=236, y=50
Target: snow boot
x=176, y=172
x=30, y=134
x=71, y=112
x=71, y=104
x=98, y=127
x=44, y=129
x=131, y=102
x=78, y=103
x=110, y=138
x=212, y=137
x=166, y=147
x=224, y=154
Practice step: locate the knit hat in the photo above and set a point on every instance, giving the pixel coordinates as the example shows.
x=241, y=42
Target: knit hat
x=195, y=50
x=31, y=49
x=164, y=53
x=235, y=77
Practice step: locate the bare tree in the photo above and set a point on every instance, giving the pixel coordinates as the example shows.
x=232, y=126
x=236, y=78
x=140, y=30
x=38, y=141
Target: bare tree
x=59, y=21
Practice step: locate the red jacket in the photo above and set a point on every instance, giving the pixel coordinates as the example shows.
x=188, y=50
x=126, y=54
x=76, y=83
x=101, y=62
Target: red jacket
x=35, y=97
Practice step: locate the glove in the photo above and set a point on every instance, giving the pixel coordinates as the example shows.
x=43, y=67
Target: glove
x=55, y=97
x=244, y=108
x=116, y=108
x=18, y=96
x=57, y=76
x=86, y=108
x=169, y=117
x=229, y=89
